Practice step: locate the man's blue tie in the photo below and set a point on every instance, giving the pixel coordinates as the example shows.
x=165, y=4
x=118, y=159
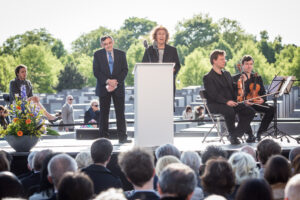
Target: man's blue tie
x=110, y=62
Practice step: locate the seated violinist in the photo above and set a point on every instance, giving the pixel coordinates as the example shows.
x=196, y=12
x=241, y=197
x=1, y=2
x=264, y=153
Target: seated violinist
x=254, y=88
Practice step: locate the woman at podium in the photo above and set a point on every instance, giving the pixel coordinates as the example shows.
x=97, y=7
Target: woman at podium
x=161, y=52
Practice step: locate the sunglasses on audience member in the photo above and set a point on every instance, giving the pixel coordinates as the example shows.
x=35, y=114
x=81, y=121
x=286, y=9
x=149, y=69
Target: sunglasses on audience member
x=96, y=105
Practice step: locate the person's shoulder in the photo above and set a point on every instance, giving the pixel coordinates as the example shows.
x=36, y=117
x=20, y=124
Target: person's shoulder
x=208, y=74
x=118, y=51
x=171, y=48
x=99, y=51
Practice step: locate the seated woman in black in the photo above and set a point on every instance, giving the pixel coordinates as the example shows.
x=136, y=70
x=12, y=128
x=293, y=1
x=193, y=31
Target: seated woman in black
x=93, y=113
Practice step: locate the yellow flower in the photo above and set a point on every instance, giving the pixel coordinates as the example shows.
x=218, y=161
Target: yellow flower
x=20, y=133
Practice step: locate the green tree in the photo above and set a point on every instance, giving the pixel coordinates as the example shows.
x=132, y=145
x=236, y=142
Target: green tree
x=198, y=31
x=134, y=55
x=284, y=60
x=197, y=64
x=295, y=68
x=84, y=64
x=223, y=45
x=88, y=43
x=261, y=66
x=124, y=38
x=138, y=26
x=232, y=32
x=39, y=37
x=42, y=67
x=7, y=73
x=183, y=51
x=70, y=78
x=266, y=47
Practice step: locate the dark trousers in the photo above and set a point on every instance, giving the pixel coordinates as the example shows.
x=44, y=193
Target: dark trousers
x=119, y=104
x=267, y=118
x=245, y=115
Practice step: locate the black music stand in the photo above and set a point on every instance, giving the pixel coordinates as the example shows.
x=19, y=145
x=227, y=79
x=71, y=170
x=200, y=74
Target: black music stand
x=280, y=85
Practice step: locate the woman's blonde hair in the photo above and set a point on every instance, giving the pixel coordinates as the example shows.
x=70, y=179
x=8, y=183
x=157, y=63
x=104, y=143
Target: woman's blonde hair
x=158, y=28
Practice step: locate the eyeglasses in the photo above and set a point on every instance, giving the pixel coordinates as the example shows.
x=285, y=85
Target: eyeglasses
x=96, y=105
x=70, y=99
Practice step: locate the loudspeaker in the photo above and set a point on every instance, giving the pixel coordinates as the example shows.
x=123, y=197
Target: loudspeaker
x=93, y=133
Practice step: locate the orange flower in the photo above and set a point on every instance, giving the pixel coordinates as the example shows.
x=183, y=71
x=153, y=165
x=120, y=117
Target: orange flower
x=28, y=121
x=31, y=114
x=18, y=107
x=15, y=120
x=19, y=133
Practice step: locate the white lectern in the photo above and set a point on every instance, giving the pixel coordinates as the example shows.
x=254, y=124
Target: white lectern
x=153, y=104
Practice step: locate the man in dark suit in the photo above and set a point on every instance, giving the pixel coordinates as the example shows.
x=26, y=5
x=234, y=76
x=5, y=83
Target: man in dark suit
x=138, y=167
x=110, y=69
x=102, y=177
x=221, y=94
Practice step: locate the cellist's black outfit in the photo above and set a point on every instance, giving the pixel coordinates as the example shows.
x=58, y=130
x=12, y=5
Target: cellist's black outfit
x=220, y=88
x=268, y=111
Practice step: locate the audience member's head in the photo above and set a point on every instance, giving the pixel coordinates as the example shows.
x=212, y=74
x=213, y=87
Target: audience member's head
x=218, y=177
x=58, y=165
x=215, y=197
x=277, y=170
x=4, y=164
x=45, y=185
x=30, y=160
x=212, y=152
x=296, y=165
x=250, y=150
x=191, y=159
x=75, y=186
x=101, y=151
x=8, y=156
x=69, y=99
x=163, y=162
x=83, y=159
x=137, y=165
x=257, y=189
x=177, y=180
x=292, y=189
x=293, y=153
x=38, y=159
x=243, y=166
x=167, y=150
x=111, y=194
x=266, y=148
x=10, y=186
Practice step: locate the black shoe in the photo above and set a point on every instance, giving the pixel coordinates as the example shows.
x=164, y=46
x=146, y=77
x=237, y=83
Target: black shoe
x=122, y=141
x=258, y=136
x=251, y=138
x=233, y=140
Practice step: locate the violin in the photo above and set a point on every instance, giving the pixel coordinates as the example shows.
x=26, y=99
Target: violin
x=241, y=86
x=254, y=89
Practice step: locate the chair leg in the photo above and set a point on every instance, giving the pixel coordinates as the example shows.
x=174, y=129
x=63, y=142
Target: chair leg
x=209, y=132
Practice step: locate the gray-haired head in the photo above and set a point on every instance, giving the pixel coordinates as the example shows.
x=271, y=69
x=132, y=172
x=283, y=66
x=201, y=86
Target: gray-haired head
x=83, y=159
x=191, y=159
x=30, y=159
x=60, y=164
x=250, y=150
x=177, y=179
x=292, y=188
x=111, y=194
x=293, y=153
x=39, y=158
x=69, y=99
x=215, y=197
x=243, y=166
x=167, y=149
x=94, y=101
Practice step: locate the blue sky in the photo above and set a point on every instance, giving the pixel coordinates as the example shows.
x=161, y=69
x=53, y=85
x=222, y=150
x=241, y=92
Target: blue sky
x=68, y=19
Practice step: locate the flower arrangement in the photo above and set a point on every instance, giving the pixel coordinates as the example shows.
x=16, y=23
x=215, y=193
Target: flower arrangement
x=27, y=119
